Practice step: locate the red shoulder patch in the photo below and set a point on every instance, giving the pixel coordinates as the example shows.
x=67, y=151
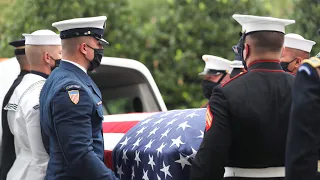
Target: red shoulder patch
x=240, y=74
x=209, y=118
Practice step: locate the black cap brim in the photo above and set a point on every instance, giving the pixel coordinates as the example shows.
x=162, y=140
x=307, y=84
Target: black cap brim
x=102, y=41
x=17, y=43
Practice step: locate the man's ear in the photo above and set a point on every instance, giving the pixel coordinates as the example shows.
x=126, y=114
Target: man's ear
x=246, y=51
x=46, y=57
x=298, y=62
x=83, y=48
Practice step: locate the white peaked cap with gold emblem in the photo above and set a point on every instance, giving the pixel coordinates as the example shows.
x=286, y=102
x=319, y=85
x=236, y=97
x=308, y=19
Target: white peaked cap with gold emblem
x=296, y=41
x=215, y=65
x=252, y=23
x=43, y=37
x=90, y=26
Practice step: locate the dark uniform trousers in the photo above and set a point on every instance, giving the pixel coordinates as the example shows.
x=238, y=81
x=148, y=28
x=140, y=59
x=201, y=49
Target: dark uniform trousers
x=8, y=155
x=71, y=120
x=302, y=151
x=249, y=124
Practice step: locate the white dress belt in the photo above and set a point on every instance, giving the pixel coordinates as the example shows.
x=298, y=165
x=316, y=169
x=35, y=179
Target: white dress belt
x=255, y=173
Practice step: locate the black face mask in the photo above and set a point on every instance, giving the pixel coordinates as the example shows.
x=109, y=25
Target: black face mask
x=56, y=63
x=285, y=65
x=96, y=61
x=238, y=49
x=207, y=88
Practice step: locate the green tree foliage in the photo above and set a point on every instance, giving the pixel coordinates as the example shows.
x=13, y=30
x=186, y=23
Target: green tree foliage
x=26, y=16
x=306, y=14
x=176, y=40
x=168, y=36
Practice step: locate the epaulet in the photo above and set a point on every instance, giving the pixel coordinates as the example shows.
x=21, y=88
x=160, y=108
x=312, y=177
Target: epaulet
x=314, y=62
x=240, y=74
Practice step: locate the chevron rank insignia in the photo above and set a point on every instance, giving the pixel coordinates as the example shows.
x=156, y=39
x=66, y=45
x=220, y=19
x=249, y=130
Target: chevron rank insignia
x=209, y=118
x=74, y=96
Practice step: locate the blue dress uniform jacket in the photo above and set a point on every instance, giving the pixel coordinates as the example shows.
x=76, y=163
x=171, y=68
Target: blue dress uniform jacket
x=304, y=129
x=71, y=120
x=249, y=124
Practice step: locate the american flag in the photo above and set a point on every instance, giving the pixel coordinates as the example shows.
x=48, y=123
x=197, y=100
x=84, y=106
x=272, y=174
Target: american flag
x=115, y=127
x=161, y=146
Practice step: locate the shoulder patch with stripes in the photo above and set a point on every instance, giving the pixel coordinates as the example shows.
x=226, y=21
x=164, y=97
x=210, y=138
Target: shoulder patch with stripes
x=209, y=118
x=11, y=107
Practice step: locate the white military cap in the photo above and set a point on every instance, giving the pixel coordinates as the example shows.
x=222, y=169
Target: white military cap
x=259, y=23
x=215, y=65
x=296, y=41
x=43, y=37
x=91, y=26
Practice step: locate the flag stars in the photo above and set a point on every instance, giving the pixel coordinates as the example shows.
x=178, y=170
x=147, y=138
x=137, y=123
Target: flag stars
x=165, y=134
x=165, y=114
x=137, y=158
x=183, y=161
x=159, y=121
x=153, y=131
x=148, y=146
x=192, y=115
x=193, y=155
x=145, y=175
x=140, y=131
x=178, y=114
x=165, y=170
x=184, y=125
x=151, y=162
x=132, y=174
x=125, y=142
x=201, y=134
x=124, y=156
x=119, y=171
x=136, y=143
x=145, y=121
x=171, y=122
x=159, y=150
x=177, y=142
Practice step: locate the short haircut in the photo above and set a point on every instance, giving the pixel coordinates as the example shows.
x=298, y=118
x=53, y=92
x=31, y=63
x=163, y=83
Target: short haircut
x=266, y=41
x=70, y=45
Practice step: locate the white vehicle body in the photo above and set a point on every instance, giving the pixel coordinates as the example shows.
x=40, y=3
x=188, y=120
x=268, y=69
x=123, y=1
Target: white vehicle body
x=129, y=93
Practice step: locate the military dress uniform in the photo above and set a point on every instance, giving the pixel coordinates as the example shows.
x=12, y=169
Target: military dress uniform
x=297, y=43
x=71, y=114
x=23, y=118
x=303, y=134
x=7, y=146
x=249, y=119
x=214, y=66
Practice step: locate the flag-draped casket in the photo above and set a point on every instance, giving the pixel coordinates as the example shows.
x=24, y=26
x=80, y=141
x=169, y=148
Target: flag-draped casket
x=161, y=146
